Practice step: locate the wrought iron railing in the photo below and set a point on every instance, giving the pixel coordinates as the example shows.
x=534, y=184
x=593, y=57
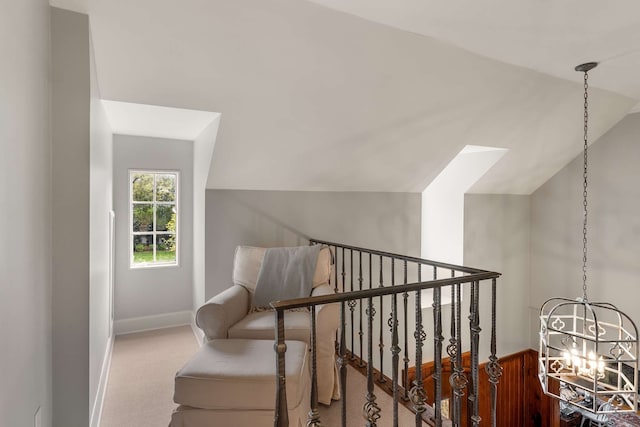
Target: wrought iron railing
x=361, y=298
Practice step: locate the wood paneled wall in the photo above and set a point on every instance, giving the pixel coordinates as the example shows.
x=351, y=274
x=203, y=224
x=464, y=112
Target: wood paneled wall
x=520, y=402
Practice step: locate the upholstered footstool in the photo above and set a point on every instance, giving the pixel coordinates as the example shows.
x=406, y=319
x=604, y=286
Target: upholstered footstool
x=232, y=383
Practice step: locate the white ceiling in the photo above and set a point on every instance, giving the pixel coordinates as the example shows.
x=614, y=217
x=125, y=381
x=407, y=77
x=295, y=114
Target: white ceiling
x=313, y=98
x=80, y=6
x=127, y=118
x=546, y=36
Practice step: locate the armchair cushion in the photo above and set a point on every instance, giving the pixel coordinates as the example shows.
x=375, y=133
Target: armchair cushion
x=260, y=326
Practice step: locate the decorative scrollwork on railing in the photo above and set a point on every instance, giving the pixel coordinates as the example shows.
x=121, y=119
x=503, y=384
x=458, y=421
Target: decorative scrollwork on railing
x=341, y=361
x=395, y=350
x=418, y=397
x=314, y=419
x=458, y=382
x=493, y=369
x=371, y=410
x=452, y=351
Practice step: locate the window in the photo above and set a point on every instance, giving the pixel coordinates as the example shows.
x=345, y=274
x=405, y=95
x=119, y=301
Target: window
x=154, y=218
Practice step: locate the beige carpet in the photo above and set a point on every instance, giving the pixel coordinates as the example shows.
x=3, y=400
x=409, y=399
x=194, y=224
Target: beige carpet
x=140, y=388
x=356, y=392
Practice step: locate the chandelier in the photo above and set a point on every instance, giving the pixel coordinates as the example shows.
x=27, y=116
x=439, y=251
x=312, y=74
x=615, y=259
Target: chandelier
x=588, y=356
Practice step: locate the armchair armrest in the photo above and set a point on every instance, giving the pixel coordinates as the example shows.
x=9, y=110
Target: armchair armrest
x=222, y=311
x=327, y=315
x=327, y=323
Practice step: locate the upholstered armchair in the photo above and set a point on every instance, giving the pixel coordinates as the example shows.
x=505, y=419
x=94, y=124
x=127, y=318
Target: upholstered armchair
x=227, y=315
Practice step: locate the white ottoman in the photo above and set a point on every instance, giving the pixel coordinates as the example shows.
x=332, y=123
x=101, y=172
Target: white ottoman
x=232, y=383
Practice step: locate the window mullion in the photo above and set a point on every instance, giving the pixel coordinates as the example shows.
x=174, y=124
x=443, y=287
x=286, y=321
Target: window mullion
x=155, y=219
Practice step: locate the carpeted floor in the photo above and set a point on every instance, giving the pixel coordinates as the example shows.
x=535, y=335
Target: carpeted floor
x=356, y=392
x=140, y=388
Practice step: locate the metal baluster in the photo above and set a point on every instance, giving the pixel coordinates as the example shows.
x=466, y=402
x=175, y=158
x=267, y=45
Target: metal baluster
x=281, y=418
x=458, y=379
x=437, y=349
x=314, y=415
x=360, y=332
x=335, y=270
x=343, y=273
x=342, y=363
x=451, y=351
x=417, y=394
x=395, y=350
x=336, y=289
x=352, y=307
x=370, y=409
x=381, y=378
x=405, y=297
x=474, y=327
x=493, y=368
x=370, y=271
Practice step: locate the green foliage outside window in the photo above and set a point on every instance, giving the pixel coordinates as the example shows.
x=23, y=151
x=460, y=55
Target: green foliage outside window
x=154, y=210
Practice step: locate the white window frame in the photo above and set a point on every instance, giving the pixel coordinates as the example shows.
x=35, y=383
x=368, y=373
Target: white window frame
x=132, y=233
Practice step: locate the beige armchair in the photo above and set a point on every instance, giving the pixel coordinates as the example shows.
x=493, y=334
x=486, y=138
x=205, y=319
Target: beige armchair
x=226, y=315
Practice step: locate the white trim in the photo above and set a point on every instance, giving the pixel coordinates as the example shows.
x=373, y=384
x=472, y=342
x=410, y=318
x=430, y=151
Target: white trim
x=98, y=404
x=155, y=203
x=196, y=331
x=156, y=321
x=112, y=270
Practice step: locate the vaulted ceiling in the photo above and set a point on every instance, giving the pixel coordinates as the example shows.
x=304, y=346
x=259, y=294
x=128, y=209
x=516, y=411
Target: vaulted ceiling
x=372, y=95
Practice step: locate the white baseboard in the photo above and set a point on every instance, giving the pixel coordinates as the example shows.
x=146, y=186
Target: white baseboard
x=197, y=331
x=147, y=323
x=98, y=404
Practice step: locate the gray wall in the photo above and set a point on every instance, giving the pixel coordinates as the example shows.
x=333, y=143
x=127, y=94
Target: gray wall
x=101, y=203
x=70, y=198
x=157, y=290
x=25, y=183
x=497, y=238
x=614, y=225
x=386, y=221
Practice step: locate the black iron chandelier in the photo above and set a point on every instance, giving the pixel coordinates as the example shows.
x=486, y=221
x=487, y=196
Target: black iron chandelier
x=588, y=356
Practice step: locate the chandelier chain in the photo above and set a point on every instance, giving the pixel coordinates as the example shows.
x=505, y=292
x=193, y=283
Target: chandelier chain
x=584, y=192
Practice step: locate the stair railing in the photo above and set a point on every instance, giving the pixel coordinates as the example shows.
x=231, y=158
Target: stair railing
x=366, y=299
